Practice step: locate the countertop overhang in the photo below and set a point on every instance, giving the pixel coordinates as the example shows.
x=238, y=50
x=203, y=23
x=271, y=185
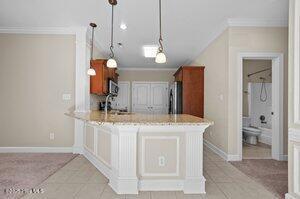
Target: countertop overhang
x=139, y=119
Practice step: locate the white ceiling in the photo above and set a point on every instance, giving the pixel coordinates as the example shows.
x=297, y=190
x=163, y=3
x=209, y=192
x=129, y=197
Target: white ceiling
x=187, y=24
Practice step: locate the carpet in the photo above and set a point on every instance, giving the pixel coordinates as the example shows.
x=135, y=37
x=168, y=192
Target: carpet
x=21, y=172
x=272, y=174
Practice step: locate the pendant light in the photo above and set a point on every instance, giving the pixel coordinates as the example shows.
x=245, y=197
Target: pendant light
x=91, y=71
x=160, y=56
x=111, y=63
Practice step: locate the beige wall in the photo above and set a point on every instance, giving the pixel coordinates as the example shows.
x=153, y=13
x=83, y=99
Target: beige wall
x=251, y=66
x=35, y=71
x=220, y=60
x=215, y=60
x=146, y=75
x=251, y=39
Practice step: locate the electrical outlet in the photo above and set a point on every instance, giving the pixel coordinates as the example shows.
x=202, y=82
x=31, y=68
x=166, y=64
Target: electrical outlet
x=51, y=136
x=161, y=161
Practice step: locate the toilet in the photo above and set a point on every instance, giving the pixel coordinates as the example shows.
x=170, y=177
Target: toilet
x=250, y=134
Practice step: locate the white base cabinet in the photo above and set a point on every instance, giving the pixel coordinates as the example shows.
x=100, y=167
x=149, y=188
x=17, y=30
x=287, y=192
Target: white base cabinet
x=177, y=166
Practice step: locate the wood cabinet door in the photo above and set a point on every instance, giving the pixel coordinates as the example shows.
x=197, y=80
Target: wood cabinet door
x=193, y=91
x=105, y=78
x=96, y=81
x=99, y=82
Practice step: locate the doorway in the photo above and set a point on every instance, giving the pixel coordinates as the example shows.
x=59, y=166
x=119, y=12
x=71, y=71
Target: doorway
x=272, y=115
x=257, y=109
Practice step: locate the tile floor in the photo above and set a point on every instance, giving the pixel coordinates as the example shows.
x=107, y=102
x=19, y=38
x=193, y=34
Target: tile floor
x=259, y=151
x=80, y=179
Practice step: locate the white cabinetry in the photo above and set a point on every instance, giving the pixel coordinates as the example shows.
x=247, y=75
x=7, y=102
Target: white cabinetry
x=122, y=100
x=150, y=97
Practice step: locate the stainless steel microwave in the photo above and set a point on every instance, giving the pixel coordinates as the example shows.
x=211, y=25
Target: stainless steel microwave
x=113, y=88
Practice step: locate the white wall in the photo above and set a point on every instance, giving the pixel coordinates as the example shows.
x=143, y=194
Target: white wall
x=259, y=107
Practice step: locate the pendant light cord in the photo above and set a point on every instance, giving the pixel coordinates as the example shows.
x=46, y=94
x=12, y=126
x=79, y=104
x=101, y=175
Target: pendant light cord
x=112, y=55
x=92, y=44
x=160, y=35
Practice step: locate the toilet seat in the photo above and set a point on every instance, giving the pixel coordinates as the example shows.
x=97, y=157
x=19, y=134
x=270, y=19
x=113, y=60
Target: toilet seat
x=251, y=131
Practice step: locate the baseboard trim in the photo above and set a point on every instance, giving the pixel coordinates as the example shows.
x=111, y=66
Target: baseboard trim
x=36, y=149
x=104, y=169
x=161, y=185
x=289, y=196
x=233, y=158
x=283, y=158
x=221, y=153
x=215, y=149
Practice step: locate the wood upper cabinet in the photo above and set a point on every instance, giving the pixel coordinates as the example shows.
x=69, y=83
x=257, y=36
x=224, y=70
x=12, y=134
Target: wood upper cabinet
x=192, y=78
x=113, y=75
x=99, y=82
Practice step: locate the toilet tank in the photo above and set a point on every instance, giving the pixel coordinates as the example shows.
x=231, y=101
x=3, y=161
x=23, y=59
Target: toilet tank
x=246, y=121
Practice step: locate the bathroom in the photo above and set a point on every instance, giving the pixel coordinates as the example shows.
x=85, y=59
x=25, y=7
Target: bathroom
x=257, y=109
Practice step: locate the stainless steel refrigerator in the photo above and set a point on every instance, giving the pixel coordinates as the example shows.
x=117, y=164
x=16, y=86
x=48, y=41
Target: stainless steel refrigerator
x=175, y=98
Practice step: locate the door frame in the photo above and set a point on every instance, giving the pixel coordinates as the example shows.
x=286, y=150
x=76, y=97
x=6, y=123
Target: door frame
x=133, y=83
x=277, y=100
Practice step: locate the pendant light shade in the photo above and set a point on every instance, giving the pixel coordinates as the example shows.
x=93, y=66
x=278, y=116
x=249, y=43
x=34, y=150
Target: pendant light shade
x=160, y=56
x=91, y=72
x=111, y=63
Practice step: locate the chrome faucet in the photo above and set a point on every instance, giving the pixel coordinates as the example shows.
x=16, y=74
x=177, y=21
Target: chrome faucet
x=106, y=102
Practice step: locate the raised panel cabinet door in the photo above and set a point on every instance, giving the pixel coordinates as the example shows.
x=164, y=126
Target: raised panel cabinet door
x=140, y=97
x=159, y=98
x=193, y=91
x=99, y=83
x=122, y=100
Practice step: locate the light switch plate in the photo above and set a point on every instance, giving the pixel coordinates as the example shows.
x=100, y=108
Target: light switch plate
x=66, y=97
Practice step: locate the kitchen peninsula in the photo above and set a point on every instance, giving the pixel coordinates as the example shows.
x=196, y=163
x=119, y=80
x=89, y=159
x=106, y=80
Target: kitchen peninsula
x=139, y=152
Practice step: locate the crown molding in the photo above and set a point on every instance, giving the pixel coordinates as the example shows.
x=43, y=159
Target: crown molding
x=42, y=30
x=147, y=69
x=237, y=22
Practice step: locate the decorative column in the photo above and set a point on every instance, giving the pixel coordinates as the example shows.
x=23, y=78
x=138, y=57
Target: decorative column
x=194, y=182
x=123, y=178
x=81, y=82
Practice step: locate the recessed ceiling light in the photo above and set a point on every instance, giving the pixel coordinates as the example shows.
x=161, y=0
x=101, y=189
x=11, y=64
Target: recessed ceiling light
x=123, y=26
x=150, y=51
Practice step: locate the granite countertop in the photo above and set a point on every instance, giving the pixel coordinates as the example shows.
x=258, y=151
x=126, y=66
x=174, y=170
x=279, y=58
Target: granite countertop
x=139, y=119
